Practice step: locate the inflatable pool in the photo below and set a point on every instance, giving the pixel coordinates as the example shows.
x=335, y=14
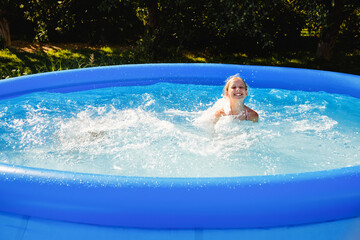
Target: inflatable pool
x=233, y=204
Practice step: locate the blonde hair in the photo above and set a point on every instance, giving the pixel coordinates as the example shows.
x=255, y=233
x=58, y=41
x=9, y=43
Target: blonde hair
x=230, y=79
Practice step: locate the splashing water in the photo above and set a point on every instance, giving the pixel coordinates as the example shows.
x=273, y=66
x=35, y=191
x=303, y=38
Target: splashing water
x=165, y=130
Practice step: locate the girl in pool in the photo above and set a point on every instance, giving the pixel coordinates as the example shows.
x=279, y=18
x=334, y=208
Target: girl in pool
x=235, y=91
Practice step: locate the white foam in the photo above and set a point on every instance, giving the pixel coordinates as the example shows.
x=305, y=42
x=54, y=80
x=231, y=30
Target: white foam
x=317, y=124
x=142, y=139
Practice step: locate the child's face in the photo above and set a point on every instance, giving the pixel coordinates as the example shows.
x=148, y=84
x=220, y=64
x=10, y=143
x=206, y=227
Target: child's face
x=237, y=89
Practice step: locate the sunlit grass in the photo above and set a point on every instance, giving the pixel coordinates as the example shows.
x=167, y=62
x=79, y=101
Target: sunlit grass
x=6, y=55
x=65, y=54
x=244, y=55
x=15, y=62
x=107, y=50
x=296, y=61
x=195, y=58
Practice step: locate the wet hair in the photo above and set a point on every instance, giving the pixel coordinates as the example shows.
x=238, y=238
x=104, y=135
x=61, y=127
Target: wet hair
x=230, y=79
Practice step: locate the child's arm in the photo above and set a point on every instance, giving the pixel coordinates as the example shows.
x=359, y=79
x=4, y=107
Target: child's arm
x=218, y=114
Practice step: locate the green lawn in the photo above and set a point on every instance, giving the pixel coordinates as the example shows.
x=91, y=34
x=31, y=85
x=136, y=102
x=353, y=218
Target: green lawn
x=16, y=62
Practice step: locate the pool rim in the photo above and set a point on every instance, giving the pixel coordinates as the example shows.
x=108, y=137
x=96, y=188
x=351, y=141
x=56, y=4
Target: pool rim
x=69, y=184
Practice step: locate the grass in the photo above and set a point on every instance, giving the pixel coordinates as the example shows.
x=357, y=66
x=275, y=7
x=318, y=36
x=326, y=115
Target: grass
x=25, y=58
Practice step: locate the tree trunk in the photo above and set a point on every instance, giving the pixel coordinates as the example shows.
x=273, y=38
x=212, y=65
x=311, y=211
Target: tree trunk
x=325, y=49
x=330, y=33
x=4, y=28
x=152, y=6
x=151, y=39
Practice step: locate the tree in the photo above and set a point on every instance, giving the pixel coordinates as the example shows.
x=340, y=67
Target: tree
x=336, y=12
x=5, y=36
x=326, y=17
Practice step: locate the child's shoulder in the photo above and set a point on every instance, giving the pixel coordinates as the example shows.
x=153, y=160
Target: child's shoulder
x=252, y=115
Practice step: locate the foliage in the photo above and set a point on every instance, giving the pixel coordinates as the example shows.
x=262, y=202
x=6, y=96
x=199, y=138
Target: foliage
x=350, y=30
x=164, y=28
x=102, y=21
x=227, y=24
x=78, y=20
x=319, y=11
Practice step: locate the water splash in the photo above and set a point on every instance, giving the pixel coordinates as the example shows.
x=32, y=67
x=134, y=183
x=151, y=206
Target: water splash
x=150, y=131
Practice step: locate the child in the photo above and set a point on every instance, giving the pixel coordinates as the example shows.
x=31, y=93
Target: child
x=235, y=91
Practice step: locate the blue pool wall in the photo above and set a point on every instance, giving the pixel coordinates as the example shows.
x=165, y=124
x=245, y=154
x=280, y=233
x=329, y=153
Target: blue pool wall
x=211, y=74
x=181, y=203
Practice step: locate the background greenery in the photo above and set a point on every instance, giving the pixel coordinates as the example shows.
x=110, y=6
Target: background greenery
x=318, y=34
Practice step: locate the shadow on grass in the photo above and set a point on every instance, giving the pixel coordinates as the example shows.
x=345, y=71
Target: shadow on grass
x=15, y=62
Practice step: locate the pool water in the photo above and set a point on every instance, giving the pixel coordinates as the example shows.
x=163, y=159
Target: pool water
x=165, y=130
